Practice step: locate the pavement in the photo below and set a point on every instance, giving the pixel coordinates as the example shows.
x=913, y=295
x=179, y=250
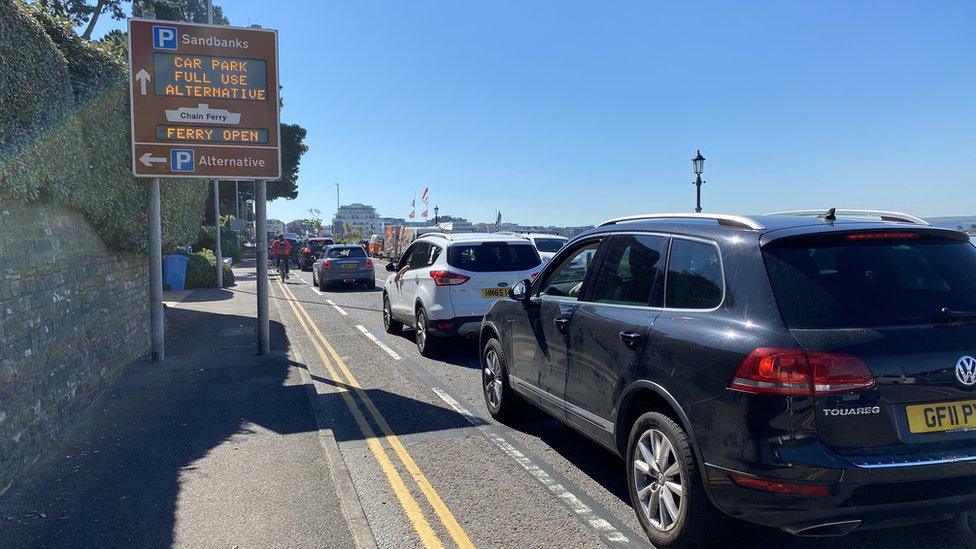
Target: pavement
x=344, y=437
x=216, y=447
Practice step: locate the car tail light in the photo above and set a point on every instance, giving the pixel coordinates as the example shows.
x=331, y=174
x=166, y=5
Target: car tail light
x=779, y=487
x=369, y=264
x=889, y=235
x=307, y=250
x=326, y=264
x=771, y=371
x=445, y=324
x=447, y=278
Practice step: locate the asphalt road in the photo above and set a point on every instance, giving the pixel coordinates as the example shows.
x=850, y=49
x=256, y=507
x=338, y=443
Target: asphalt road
x=449, y=474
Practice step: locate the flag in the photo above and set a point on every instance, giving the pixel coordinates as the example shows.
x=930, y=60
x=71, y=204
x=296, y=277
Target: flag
x=423, y=214
x=424, y=197
x=413, y=209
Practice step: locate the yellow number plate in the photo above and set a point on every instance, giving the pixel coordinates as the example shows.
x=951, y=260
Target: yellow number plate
x=490, y=293
x=348, y=266
x=941, y=416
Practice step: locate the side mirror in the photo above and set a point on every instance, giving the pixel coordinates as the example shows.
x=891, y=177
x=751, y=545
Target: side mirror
x=520, y=291
x=391, y=266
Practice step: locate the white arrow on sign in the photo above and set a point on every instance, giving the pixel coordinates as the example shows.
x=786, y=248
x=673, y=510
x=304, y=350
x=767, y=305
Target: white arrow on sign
x=142, y=76
x=148, y=159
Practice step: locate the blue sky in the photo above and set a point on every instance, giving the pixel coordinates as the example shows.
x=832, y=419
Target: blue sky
x=567, y=113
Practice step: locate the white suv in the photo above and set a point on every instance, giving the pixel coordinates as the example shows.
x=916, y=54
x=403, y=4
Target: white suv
x=547, y=244
x=444, y=283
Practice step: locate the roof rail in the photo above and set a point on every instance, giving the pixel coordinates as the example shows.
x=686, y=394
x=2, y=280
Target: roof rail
x=723, y=219
x=849, y=212
x=435, y=234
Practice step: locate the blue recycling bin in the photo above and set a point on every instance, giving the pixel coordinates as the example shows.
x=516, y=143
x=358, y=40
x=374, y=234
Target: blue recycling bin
x=174, y=271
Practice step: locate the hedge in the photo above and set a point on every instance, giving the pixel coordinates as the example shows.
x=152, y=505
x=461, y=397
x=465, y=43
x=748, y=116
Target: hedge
x=201, y=271
x=64, y=132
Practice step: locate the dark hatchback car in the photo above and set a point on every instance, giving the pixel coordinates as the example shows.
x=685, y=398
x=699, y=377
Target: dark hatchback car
x=810, y=371
x=308, y=252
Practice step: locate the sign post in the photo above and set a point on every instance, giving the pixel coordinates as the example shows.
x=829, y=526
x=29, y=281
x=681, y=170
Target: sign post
x=204, y=105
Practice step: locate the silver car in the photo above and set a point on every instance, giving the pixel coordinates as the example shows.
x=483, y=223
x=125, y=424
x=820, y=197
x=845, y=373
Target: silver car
x=343, y=264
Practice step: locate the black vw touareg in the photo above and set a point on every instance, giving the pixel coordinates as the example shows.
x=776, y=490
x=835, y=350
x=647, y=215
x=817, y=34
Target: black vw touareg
x=812, y=371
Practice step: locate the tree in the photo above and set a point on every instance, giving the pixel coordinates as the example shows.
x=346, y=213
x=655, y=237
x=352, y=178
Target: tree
x=292, y=148
x=116, y=42
x=82, y=11
x=194, y=11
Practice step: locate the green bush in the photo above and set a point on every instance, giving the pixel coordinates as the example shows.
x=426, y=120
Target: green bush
x=64, y=132
x=201, y=271
x=228, y=242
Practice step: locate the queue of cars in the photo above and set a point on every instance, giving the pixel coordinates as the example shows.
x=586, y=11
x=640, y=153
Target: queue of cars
x=812, y=371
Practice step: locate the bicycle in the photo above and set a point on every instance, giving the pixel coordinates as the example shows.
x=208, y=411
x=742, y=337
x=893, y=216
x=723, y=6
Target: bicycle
x=282, y=268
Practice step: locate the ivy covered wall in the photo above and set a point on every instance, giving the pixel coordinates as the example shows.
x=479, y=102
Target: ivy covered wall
x=64, y=133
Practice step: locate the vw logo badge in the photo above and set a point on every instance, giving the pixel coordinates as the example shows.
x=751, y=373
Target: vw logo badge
x=503, y=284
x=966, y=371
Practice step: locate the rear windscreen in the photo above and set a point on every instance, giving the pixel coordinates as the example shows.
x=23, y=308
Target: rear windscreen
x=845, y=284
x=549, y=244
x=347, y=252
x=493, y=256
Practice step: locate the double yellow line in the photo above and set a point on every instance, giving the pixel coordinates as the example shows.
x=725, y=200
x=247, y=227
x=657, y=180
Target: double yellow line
x=331, y=359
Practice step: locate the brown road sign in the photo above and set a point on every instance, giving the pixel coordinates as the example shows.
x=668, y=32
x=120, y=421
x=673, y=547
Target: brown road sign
x=204, y=101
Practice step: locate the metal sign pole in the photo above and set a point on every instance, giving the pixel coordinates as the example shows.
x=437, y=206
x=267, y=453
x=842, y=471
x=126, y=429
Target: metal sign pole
x=156, y=273
x=261, y=228
x=216, y=189
x=220, y=259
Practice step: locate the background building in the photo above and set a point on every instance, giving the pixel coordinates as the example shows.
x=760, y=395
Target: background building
x=275, y=226
x=356, y=220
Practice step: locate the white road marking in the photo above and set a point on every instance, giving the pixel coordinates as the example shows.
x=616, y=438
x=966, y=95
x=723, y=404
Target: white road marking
x=336, y=307
x=558, y=490
x=316, y=290
x=376, y=340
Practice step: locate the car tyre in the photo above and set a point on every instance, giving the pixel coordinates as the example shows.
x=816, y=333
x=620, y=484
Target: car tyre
x=426, y=344
x=390, y=324
x=665, y=486
x=502, y=402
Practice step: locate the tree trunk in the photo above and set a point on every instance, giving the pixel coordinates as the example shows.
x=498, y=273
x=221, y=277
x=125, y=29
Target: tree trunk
x=94, y=19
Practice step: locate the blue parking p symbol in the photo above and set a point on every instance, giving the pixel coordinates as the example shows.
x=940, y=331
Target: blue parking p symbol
x=181, y=160
x=164, y=38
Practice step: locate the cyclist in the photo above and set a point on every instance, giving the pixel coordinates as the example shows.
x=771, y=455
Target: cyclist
x=281, y=248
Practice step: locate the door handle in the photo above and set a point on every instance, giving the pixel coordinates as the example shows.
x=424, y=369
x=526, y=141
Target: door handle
x=561, y=323
x=631, y=339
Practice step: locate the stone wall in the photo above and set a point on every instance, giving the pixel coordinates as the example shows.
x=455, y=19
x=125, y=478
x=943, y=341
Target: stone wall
x=72, y=315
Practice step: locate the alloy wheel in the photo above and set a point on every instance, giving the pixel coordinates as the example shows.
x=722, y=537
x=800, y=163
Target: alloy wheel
x=492, y=378
x=421, y=330
x=658, y=480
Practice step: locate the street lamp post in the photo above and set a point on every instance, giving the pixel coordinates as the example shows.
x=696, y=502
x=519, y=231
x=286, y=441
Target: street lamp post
x=436, y=217
x=339, y=227
x=698, y=165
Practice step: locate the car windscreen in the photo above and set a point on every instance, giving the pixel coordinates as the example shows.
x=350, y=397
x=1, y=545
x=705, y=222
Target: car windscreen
x=317, y=245
x=549, y=244
x=857, y=281
x=493, y=257
x=347, y=252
